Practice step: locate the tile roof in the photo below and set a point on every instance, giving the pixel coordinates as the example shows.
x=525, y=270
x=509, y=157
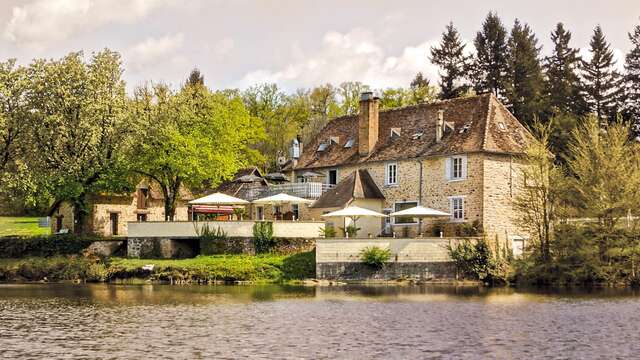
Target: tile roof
x=481, y=123
x=358, y=185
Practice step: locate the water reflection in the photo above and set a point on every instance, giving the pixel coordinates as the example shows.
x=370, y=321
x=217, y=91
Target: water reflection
x=355, y=321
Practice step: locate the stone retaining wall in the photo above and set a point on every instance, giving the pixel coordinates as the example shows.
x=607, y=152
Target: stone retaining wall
x=393, y=270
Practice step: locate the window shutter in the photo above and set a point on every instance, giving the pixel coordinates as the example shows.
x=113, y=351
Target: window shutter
x=447, y=168
x=464, y=167
x=386, y=174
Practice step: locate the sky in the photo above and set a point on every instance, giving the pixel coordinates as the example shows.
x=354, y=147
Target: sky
x=294, y=43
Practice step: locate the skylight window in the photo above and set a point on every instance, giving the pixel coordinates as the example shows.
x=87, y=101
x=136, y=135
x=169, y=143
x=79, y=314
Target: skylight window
x=322, y=147
x=395, y=133
x=349, y=143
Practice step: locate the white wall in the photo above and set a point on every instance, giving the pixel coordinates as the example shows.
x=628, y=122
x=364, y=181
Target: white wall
x=406, y=250
x=178, y=229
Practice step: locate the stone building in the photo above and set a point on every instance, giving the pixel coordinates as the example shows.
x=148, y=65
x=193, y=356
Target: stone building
x=109, y=213
x=461, y=156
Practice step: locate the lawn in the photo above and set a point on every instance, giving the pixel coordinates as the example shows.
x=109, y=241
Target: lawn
x=23, y=226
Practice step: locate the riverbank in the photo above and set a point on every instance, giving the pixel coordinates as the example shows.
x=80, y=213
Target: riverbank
x=267, y=268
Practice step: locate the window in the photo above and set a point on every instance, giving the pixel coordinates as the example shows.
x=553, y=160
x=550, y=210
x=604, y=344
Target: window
x=456, y=168
x=113, y=220
x=386, y=222
x=403, y=206
x=349, y=143
x=142, y=198
x=457, y=208
x=141, y=217
x=391, y=174
x=332, y=177
x=59, y=220
x=259, y=213
x=295, y=209
x=322, y=147
x=395, y=133
x=277, y=210
x=334, y=140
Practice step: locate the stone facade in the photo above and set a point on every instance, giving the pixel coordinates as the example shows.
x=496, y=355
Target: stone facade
x=488, y=188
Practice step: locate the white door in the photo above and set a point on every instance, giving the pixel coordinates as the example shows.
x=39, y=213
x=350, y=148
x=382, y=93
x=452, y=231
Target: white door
x=517, y=246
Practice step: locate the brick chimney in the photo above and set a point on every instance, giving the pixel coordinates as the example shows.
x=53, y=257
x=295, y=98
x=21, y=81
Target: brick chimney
x=367, y=123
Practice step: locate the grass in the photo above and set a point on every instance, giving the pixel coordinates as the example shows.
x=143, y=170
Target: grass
x=21, y=226
x=269, y=268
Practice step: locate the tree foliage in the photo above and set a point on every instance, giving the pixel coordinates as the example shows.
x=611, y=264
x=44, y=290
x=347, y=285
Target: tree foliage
x=489, y=67
x=450, y=57
x=632, y=80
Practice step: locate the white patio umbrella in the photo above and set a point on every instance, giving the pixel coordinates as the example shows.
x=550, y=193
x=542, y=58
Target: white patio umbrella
x=354, y=213
x=420, y=212
x=281, y=199
x=218, y=199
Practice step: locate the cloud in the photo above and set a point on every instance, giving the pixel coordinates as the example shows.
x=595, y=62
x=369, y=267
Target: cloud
x=618, y=57
x=352, y=56
x=152, y=51
x=41, y=22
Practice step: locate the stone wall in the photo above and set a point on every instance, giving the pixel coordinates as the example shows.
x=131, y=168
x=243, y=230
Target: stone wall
x=164, y=248
x=339, y=259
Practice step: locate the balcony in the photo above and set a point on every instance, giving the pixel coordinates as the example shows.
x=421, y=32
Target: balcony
x=308, y=190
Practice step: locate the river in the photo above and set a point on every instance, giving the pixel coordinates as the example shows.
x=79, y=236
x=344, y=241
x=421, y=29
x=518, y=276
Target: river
x=349, y=322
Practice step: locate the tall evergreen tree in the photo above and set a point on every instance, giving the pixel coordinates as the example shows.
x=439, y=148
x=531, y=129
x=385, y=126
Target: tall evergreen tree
x=601, y=81
x=489, y=65
x=632, y=81
x=562, y=83
x=524, y=83
x=195, y=77
x=449, y=56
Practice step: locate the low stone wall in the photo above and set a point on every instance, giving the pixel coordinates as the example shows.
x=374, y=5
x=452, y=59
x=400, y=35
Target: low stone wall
x=161, y=248
x=246, y=246
x=424, y=258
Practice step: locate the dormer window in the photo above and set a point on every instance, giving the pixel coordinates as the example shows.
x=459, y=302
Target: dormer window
x=322, y=147
x=349, y=143
x=334, y=140
x=395, y=133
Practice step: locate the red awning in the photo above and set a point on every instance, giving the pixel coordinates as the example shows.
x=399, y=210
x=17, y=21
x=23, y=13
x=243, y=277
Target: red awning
x=209, y=209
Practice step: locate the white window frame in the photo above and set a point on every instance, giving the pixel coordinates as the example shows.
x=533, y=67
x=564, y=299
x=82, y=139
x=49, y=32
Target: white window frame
x=295, y=209
x=329, y=176
x=260, y=214
x=452, y=209
x=456, y=168
x=393, y=221
x=391, y=178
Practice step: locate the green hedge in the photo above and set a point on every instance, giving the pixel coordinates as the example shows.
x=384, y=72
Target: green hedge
x=44, y=246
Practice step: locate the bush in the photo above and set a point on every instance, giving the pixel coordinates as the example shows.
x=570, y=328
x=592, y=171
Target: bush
x=475, y=261
x=44, y=246
x=375, y=256
x=468, y=229
x=212, y=241
x=351, y=230
x=263, y=240
x=328, y=232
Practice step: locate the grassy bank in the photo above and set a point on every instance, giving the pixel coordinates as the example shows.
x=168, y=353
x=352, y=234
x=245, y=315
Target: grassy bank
x=261, y=268
x=21, y=226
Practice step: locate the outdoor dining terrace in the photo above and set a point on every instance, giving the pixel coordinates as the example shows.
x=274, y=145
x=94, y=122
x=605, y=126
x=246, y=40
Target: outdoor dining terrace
x=306, y=190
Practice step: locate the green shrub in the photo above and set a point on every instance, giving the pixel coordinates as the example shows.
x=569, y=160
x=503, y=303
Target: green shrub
x=375, y=256
x=468, y=229
x=475, y=260
x=212, y=241
x=45, y=246
x=351, y=230
x=263, y=240
x=328, y=232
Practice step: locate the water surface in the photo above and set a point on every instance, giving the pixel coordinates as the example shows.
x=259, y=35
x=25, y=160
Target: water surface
x=162, y=321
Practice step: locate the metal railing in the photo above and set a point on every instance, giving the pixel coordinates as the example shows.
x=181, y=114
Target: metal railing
x=308, y=190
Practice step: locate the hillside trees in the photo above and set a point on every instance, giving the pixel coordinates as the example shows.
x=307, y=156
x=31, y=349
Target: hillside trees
x=632, y=80
x=191, y=138
x=450, y=57
x=489, y=67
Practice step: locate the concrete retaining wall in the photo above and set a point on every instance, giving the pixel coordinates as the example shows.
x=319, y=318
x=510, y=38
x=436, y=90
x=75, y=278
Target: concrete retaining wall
x=187, y=229
x=425, y=258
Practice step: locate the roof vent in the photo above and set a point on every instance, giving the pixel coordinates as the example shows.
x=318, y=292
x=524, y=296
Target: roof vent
x=465, y=128
x=502, y=127
x=349, y=143
x=334, y=140
x=417, y=135
x=395, y=133
x=322, y=147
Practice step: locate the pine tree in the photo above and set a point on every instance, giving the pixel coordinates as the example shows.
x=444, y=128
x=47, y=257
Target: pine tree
x=562, y=84
x=632, y=81
x=601, y=81
x=449, y=56
x=490, y=62
x=524, y=83
x=195, y=78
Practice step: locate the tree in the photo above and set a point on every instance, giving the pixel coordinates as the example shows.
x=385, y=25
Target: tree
x=13, y=112
x=562, y=82
x=601, y=81
x=632, y=81
x=537, y=197
x=195, y=78
x=421, y=91
x=323, y=106
x=281, y=116
x=450, y=57
x=489, y=66
x=79, y=127
x=523, y=80
x=191, y=138
x=349, y=95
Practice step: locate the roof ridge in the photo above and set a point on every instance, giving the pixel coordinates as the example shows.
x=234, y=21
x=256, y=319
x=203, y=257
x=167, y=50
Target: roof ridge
x=486, y=123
